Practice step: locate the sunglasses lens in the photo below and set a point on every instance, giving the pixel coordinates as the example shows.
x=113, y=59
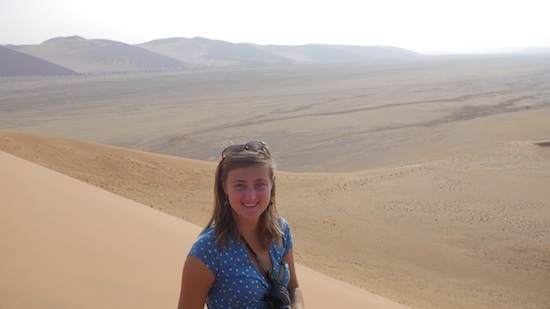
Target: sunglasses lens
x=254, y=146
x=231, y=149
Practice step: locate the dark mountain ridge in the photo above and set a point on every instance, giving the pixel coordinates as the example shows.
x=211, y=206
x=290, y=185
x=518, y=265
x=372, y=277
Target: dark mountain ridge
x=14, y=63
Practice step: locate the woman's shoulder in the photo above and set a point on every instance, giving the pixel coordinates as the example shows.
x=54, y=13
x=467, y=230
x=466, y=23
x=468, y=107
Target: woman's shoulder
x=209, y=231
x=283, y=223
x=286, y=235
x=207, y=238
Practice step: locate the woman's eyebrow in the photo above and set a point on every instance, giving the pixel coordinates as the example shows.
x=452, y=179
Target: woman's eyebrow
x=243, y=180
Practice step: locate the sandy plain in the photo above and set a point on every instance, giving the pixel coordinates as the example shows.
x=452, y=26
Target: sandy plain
x=424, y=182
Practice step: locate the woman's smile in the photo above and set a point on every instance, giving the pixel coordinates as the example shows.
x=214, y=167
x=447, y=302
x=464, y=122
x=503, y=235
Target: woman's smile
x=251, y=205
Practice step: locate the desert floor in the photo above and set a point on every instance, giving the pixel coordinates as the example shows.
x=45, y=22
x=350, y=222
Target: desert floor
x=424, y=182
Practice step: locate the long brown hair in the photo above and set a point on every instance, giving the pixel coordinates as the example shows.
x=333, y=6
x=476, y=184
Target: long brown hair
x=269, y=228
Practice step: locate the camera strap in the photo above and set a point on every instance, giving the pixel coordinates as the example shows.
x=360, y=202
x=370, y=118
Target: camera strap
x=274, y=280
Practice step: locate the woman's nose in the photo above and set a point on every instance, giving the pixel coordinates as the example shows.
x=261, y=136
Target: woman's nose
x=250, y=194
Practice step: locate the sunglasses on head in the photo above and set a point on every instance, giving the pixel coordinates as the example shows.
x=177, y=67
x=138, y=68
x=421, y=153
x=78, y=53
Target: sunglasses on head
x=252, y=146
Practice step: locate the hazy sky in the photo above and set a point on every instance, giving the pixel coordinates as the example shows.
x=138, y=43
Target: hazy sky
x=418, y=25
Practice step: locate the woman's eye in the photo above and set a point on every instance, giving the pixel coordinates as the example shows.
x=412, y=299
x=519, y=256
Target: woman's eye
x=240, y=186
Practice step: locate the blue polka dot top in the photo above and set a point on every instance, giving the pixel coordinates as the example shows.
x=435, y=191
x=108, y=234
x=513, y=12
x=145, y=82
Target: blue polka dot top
x=239, y=284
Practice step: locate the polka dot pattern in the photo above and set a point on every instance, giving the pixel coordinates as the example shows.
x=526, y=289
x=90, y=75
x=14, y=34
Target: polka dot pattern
x=239, y=284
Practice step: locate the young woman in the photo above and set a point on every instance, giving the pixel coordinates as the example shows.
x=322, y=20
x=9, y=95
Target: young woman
x=243, y=258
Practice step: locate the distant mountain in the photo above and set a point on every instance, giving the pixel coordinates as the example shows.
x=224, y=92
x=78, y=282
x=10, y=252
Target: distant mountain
x=94, y=56
x=105, y=56
x=14, y=63
x=339, y=53
x=205, y=52
x=377, y=52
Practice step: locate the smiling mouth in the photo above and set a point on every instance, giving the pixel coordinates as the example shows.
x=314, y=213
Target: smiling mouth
x=250, y=205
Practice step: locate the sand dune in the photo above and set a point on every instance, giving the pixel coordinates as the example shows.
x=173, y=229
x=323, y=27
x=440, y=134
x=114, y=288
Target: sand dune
x=103, y=55
x=98, y=55
x=66, y=244
x=469, y=230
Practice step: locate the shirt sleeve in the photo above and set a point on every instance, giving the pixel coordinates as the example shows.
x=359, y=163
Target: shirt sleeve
x=208, y=252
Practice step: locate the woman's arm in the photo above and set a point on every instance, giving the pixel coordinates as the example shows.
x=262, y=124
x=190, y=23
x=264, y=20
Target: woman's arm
x=195, y=283
x=296, y=297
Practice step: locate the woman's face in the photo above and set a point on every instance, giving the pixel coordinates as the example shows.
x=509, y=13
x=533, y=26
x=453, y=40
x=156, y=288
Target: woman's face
x=249, y=191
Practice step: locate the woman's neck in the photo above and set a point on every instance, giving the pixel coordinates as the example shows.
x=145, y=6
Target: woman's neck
x=248, y=229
